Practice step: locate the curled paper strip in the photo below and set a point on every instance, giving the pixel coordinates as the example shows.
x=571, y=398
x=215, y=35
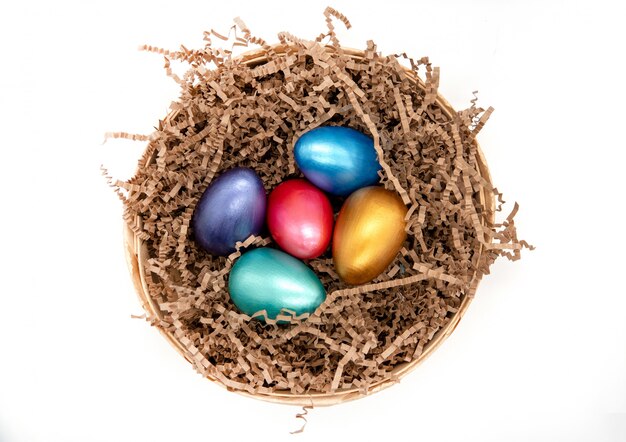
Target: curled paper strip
x=249, y=111
x=305, y=411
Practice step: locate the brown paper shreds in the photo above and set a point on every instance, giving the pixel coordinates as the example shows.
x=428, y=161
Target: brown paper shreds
x=249, y=111
x=305, y=411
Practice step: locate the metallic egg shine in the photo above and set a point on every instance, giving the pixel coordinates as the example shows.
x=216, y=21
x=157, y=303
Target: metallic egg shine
x=268, y=279
x=337, y=159
x=300, y=218
x=369, y=232
x=231, y=209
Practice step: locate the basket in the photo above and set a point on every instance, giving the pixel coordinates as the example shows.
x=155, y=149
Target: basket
x=136, y=253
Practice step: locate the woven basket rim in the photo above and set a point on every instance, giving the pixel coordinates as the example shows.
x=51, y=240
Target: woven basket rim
x=136, y=255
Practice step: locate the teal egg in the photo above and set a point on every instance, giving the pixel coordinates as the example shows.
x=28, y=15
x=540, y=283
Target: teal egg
x=268, y=279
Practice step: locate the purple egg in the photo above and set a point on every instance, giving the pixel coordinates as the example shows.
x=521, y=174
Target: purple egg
x=230, y=209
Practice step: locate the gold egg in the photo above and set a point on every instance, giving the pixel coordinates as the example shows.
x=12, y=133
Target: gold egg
x=369, y=232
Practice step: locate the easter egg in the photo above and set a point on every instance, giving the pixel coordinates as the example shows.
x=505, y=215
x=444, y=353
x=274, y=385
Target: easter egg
x=271, y=280
x=369, y=232
x=300, y=218
x=230, y=209
x=337, y=159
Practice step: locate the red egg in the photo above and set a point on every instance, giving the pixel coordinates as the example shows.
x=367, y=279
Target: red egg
x=300, y=218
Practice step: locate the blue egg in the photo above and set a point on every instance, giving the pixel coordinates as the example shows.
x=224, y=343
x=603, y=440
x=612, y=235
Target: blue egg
x=231, y=209
x=268, y=279
x=337, y=159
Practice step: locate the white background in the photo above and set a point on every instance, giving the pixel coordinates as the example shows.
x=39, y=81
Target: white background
x=541, y=353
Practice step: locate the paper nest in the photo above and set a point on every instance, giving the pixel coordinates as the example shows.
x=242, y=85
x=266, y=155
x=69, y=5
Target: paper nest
x=249, y=111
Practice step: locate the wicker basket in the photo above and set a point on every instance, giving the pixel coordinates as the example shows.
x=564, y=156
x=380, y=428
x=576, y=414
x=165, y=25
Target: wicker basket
x=136, y=253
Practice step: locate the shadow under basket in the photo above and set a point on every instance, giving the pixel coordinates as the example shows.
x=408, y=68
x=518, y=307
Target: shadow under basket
x=137, y=255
